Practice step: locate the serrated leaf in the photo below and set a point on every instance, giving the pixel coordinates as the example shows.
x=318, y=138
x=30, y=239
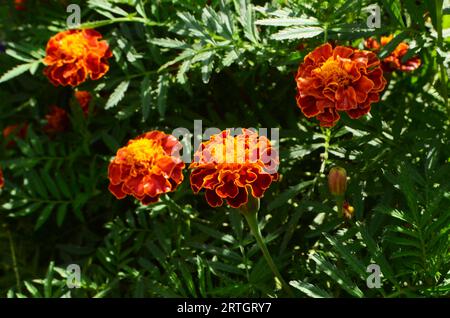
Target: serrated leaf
x=169, y=43
x=146, y=96
x=117, y=95
x=163, y=86
x=105, y=5
x=288, y=21
x=297, y=33
x=15, y=71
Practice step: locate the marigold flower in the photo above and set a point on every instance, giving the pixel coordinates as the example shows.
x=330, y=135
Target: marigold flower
x=74, y=55
x=57, y=120
x=83, y=98
x=146, y=167
x=340, y=79
x=2, y=181
x=18, y=130
x=232, y=167
x=394, y=60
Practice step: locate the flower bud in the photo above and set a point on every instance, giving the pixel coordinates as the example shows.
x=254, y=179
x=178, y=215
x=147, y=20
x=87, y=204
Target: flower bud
x=347, y=210
x=337, y=181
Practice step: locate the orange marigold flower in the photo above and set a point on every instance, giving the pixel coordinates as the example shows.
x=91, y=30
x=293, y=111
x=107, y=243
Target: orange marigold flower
x=74, y=55
x=340, y=79
x=83, y=98
x=18, y=130
x=2, y=181
x=394, y=60
x=57, y=120
x=146, y=167
x=232, y=167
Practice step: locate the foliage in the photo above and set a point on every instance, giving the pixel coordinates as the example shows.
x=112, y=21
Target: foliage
x=230, y=63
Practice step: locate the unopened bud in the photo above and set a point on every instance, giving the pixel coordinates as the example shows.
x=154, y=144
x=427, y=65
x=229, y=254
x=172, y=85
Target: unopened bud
x=337, y=181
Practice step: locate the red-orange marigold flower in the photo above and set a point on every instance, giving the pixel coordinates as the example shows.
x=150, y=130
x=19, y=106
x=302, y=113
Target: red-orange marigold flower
x=340, y=79
x=146, y=167
x=74, y=55
x=394, y=60
x=83, y=98
x=57, y=120
x=2, y=181
x=18, y=130
x=232, y=167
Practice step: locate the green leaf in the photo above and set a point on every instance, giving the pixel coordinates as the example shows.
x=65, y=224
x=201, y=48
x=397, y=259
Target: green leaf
x=61, y=213
x=351, y=260
x=48, y=281
x=288, y=194
x=297, y=33
x=169, y=43
x=394, y=9
x=146, y=96
x=43, y=216
x=309, y=289
x=32, y=289
x=163, y=86
x=288, y=21
x=117, y=95
x=221, y=236
x=106, y=5
x=16, y=71
x=337, y=275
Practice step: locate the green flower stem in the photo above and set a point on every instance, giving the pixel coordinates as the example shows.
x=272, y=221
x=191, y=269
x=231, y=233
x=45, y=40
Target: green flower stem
x=252, y=220
x=13, y=257
x=340, y=204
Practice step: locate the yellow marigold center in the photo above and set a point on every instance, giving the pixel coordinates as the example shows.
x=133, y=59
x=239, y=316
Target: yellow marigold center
x=232, y=150
x=144, y=151
x=332, y=71
x=73, y=44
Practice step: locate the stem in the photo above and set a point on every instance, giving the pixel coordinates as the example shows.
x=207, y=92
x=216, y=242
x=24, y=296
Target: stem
x=326, y=146
x=442, y=74
x=252, y=220
x=340, y=205
x=14, y=260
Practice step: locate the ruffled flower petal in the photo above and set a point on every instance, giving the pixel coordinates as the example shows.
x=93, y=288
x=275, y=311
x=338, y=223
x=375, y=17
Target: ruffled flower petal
x=75, y=55
x=337, y=79
x=229, y=168
x=144, y=169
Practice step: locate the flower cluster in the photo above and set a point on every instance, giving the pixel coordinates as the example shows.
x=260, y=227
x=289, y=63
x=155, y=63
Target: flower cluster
x=337, y=79
x=395, y=60
x=146, y=167
x=232, y=167
x=75, y=55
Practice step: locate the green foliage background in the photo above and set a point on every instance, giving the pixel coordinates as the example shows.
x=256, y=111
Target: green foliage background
x=230, y=64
